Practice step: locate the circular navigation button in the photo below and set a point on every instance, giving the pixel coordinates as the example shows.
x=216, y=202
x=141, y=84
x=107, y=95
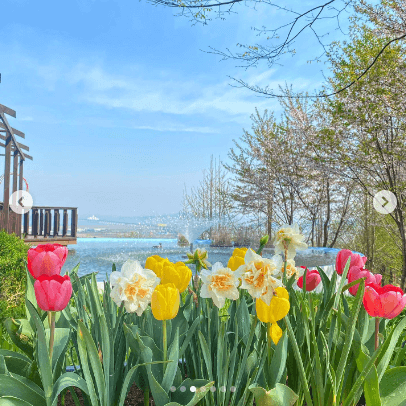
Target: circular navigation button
x=385, y=202
x=21, y=202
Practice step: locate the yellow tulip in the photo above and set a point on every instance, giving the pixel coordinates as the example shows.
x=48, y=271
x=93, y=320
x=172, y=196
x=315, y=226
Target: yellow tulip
x=178, y=274
x=156, y=263
x=278, y=308
x=165, y=302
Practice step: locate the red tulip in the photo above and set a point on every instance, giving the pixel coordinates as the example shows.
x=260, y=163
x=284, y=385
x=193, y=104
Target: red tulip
x=355, y=272
x=46, y=259
x=313, y=278
x=386, y=301
x=53, y=292
x=342, y=258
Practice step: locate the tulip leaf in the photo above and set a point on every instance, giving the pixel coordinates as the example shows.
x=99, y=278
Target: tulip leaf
x=183, y=396
x=22, y=388
x=393, y=387
x=159, y=394
x=281, y=395
x=189, y=335
x=388, y=347
x=243, y=317
x=61, y=341
x=14, y=361
x=13, y=401
x=68, y=379
x=171, y=368
x=44, y=362
x=278, y=362
x=3, y=366
x=371, y=384
x=17, y=336
x=206, y=355
x=88, y=352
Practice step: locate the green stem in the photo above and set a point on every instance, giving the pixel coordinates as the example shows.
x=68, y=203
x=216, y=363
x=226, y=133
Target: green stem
x=269, y=339
x=146, y=396
x=52, y=334
x=377, y=320
x=165, y=343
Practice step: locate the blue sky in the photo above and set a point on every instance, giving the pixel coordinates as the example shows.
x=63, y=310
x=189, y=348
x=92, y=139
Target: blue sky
x=120, y=106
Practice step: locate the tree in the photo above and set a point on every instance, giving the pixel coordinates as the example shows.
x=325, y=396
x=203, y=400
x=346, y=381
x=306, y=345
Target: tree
x=390, y=15
x=367, y=134
x=210, y=200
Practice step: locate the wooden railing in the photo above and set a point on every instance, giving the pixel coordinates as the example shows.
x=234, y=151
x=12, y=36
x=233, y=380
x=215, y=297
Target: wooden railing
x=50, y=222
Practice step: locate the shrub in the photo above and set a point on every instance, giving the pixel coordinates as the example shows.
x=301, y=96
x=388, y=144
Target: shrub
x=13, y=259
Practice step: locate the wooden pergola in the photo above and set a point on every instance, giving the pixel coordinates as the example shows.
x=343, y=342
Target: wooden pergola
x=41, y=224
x=9, y=220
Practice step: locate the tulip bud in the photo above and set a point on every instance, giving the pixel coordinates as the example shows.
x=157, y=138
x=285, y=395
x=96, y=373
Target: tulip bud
x=165, y=302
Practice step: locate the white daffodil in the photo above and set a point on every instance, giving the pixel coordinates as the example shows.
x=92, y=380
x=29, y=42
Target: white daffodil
x=219, y=283
x=291, y=269
x=260, y=275
x=289, y=238
x=133, y=285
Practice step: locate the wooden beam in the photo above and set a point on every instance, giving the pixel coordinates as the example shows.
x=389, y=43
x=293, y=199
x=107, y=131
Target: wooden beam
x=10, y=132
x=8, y=111
x=22, y=146
x=16, y=132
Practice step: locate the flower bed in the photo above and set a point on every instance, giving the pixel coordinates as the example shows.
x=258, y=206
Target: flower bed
x=242, y=332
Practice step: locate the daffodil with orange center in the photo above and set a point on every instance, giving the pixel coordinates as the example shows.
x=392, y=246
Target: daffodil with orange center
x=237, y=259
x=260, y=275
x=291, y=269
x=219, y=283
x=133, y=285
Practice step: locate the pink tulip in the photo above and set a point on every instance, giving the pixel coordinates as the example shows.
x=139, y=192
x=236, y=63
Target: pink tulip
x=53, y=292
x=386, y=301
x=355, y=272
x=46, y=259
x=313, y=278
x=342, y=258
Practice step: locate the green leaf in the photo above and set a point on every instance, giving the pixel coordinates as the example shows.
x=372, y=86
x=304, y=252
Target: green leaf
x=61, y=341
x=393, y=387
x=388, y=348
x=13, y=328
x=94, y=359
x=371, y=384
x=278, y=362
x=44, y=363
x=11, y=386
x=67, y=380
x=281, y=395
x=171, y=368
x=13, y=401
x=83, y=351
x=15, y=361
x=160, y=396
x=189, y=335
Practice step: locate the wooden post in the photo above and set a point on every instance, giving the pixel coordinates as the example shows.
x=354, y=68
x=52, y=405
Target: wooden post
x=6, y=197
x=20, y=187
x=41, y=221
x=74, y=219
x=26, y=222
x=65, y=222
x=35, y=230
x=56, y=222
